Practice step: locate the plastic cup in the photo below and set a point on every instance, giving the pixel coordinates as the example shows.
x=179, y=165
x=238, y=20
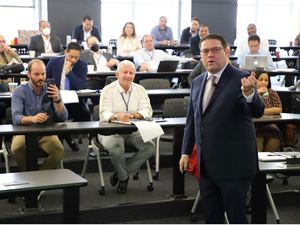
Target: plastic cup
x=12, y=86
x=31, y=54
x=91, y=68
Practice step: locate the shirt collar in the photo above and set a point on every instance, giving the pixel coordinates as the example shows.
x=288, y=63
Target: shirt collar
x=122, y=89
x=31, y=88
x=217, y=75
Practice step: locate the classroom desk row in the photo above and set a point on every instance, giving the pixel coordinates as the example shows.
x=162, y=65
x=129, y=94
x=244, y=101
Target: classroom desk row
x=259, y=202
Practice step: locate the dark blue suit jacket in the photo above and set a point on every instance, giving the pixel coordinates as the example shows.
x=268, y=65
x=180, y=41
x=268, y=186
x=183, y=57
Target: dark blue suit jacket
x=78, y=33
x=224, y=133
x=194, y=45
x=77, y=75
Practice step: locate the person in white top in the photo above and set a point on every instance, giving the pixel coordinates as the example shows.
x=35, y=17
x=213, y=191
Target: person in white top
x=104, y=61
x=124, y=100
x=243, y=46
x=128, y=42
x=147, y=59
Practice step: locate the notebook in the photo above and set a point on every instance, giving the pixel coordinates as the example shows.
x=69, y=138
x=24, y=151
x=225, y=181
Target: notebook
x=167, y=66
x=254, y=62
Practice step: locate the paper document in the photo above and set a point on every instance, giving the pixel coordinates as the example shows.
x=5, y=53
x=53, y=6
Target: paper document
x=68, y=96
x=148, y=129
x=82, y=91
x=270, y=157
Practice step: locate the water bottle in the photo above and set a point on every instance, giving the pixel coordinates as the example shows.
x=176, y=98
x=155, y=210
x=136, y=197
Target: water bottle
x=68, y=39
x=110, y=49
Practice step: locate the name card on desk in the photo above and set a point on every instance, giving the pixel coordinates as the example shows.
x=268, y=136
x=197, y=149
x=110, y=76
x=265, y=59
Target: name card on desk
x=68, y=96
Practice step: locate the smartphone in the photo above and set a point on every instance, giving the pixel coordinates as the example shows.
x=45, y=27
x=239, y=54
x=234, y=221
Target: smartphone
x=50, y=81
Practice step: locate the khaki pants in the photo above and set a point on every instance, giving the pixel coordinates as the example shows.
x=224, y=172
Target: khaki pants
x=49, y=144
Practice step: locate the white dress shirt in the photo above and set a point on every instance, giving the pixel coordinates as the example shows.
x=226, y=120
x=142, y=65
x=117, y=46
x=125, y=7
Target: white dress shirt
x=112, y=102
x=101, y=62
x=152, y=58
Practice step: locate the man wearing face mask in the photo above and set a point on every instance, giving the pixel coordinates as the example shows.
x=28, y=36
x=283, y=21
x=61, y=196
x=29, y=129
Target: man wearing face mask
x=45, y=42
x=103, y=62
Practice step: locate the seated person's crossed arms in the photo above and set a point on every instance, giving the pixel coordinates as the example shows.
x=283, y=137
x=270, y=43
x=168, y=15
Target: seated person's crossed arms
x=268, y=136
x=35, y=103
x=124, y=100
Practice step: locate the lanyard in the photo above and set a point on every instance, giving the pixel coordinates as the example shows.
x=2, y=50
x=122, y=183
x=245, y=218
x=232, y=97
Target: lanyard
x=150, y=55
x=126, y=103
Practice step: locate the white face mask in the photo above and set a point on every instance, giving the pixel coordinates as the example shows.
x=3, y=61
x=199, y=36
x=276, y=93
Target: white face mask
x=46, y=31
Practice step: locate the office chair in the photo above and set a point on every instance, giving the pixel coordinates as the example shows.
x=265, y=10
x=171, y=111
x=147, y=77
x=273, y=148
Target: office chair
x=110, y=79
x=173, y=107
x=155, y=83
x=97, y=147
x=5, y=154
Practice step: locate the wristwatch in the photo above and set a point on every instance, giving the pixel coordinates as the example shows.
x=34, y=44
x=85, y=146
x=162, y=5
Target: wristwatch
x=58, y=100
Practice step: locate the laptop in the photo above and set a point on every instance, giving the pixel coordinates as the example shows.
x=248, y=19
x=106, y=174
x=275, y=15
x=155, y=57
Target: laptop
x=254, y=62
x=87, y=56
x=167, y=66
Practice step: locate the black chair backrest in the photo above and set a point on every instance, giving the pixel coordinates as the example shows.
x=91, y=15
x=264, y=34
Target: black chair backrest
x=175, y=107
x=155, y=83
x=110, y=79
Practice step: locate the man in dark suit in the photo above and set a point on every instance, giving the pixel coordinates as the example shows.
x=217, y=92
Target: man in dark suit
x=223, y=130
x=82, y=32
x=69, y=73
x=195, y=41
x=190, y=32
x=44, y=42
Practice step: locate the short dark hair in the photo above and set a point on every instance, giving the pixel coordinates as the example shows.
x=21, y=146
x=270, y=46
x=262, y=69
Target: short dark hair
x=216, y=37
x=34, y=61
x=195, y=18
x=254, y=37
x=73, y=46
x=87, y=18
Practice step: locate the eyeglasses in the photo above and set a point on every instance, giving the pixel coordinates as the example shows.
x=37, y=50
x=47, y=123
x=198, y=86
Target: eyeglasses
x=2, y=41
x=214, y=50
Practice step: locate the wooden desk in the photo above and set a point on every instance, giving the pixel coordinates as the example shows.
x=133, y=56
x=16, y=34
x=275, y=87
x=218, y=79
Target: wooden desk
x=28, y=182
x=259, y=197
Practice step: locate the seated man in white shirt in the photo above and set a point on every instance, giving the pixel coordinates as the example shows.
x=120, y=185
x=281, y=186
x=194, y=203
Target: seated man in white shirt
x=124, y=100
x=243, y=45
x=254, y=49
x=147, y=59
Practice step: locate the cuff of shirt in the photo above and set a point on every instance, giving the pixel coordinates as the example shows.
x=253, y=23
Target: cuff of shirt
x=249, y=98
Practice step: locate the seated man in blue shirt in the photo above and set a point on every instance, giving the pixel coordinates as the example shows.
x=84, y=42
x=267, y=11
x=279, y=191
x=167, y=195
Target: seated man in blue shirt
x=35, y=103
x=254, y=49
x=163, y=35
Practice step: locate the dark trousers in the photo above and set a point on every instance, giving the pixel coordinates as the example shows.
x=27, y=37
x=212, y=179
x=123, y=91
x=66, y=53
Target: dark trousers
x=224, y=195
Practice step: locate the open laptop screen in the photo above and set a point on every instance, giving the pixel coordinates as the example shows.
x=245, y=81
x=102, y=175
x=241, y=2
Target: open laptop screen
x=167, y=66
x=254, y=62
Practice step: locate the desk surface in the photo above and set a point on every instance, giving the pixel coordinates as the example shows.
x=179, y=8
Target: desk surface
x=39, y=180
x=105, y=127
x=277, y=167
